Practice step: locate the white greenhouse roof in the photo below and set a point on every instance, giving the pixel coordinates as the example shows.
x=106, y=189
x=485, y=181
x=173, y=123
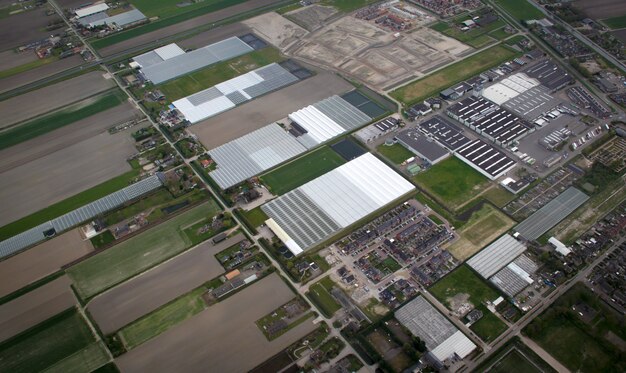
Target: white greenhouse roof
x=313, y=212
x=494, y=257
x=457, y=344
x=89, y=10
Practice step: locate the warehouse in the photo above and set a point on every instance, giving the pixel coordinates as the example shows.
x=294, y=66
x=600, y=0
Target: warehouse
x=313, y=212
x=252, y=154
x=532, y=103
x=442, y=338
x=516, y=276
x=550, y=75
x=90, y=10
x=509, y=88
x=378, y=129
x=485, y=159
x=422, y=145
x=119, y=21
x=445, y=132
x=233, y=92
x=170, y=61
x=489, y=120
x=496, y=256
x=551, y=214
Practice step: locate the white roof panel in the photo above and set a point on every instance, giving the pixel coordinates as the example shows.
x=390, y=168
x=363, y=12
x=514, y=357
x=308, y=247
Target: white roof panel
x=89, y=10
x=494, y=257
x=457, y=344
x=169, y=51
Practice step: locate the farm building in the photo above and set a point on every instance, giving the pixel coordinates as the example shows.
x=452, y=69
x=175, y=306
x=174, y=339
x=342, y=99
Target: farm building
x=496, y=256
x=485, y=159
x=310, y=214
x=551, y=214
x=422, y=145
x=442, y=338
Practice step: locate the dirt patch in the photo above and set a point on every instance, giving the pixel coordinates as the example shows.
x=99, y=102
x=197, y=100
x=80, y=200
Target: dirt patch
x=260, y=112
x=34, y=307
x=145, y=293
x=460, y=304
x=26, y=27
x=276, y=29
x=601, y=9
x=52, y=97
x=620, y=34
x=41, y=260
x=207, y=339
x=41, y=72
x=312, y=17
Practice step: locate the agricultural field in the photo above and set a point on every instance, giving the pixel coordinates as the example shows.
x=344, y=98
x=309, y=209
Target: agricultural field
x=615, y=22
x=319, y=293
x=49, y=345
x=138, y=253
x=395, y=153
x=452, y=182
x=302, y=170
x=520, y=9
x=477, y=37
x=433, y=84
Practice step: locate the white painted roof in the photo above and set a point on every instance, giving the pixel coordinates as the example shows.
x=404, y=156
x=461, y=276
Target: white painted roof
x=89, y=10
x=457, y=343
x=494, y=257
x=169, y=51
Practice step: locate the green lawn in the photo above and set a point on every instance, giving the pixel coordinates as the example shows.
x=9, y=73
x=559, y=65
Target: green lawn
x=255, y=217
x=102, y=239
x=67, y=205
x=302, y=170
x=348, y=5
x=514, y=361
x=489, y=327
x=395, y=153
x=89, y=358
x=163, y=318
x=69, y=115
x=499, y=34
x=615, y=22
x=520, y=9
x=319, y=293
x=457, y=72
x=46, y=344
x=218, y=73
x=138, y=253
x=476, y=37
x=27, y=66
x=452, y=182
x=463, y=280
x=499, y=196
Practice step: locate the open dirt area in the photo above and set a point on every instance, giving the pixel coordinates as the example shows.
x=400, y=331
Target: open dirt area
x=24, y=28
x=215, y=35
x=41, y=72
x=185, y=26
x=372, y=55
x=601, y=9
x=620, y=34
x=267, y=109
x=10, y=59
x=205, y=341
x=276, y=29
x=34, y=307
x=147, y=292
x=312, y=17
x=31, y=104
x=54, y=177
x=41, y=260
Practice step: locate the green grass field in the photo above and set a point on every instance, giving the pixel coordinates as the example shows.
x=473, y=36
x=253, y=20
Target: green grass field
x=255, y=217
x=615, y=22
x=457, y=72
x=69, y=115
x=514, y=361
x=463, y=280
x=520, y=9
x=302, y=170
x=218, y=73
x=163, y=318
x=452, y=182
x=395, y=153
x=47, y=344
x=67, y=205
x=319, y=293
x=514, y=356
x=499, y=196
x=476, y=37
x=499, y=34
x=89, y=358
x=489, y=327
x=138, y=253
x=347, y=5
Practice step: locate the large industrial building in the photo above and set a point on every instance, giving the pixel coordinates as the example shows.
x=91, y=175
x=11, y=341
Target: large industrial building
x=550, y=75
x=515, y=276
x=312, y=213
x=445, y=132
x=485, y=159
x=551, y=214
x=508, y=88
x=442, y=338
x=496, y=256
x=422, y=145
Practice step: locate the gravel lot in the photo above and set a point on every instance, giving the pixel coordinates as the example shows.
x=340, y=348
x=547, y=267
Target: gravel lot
x=41, y=260
x=145, y=293
x=34, y=307
x=207, y=339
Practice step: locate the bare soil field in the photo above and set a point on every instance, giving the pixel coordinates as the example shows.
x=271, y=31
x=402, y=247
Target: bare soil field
x=34, y=307
x=62, y=174
x=276, y=29
x=600, y=9
x=38, y=73
x=66, y=136
x=205, y=342
x=620, y=34
x=24, y=28
x=31, y=104
x=312, y=17
x=70, y=4
x=145, y=293
x=185, y=26
x=267, y=109
x=375, y=56
x=10, y=59
x=41, y=261
x=215, y=35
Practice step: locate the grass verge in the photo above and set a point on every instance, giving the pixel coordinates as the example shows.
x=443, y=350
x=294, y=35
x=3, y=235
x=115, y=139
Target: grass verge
x=319, y=294
x=396, y=153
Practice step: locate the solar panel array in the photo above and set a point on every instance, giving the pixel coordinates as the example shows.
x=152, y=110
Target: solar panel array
x=551, y=214
x=485, y=158
x=185, y=63
x=233, y=92
x=78, y=216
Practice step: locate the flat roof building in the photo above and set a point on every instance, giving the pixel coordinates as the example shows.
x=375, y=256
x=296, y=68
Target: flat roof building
x=550, y=75
x=445, y=132
x=378, y=129
x=486, y=159
x=497, y=255
x=422, y=145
